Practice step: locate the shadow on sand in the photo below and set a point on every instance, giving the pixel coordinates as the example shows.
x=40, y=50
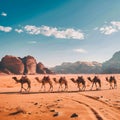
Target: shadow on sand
x=47, y=92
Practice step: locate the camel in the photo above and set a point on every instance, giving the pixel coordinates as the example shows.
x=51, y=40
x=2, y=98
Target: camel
x=79, y=80
x=95, y=80
x=61, y=81
x=22, y=81
x=112, y=80
x=44, y=81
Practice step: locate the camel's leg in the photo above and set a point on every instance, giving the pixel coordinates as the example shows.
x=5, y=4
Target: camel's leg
x=96, y=86
x=21, y=87
x=83, y=88
x=51, y=88
x=28, y=89
x=111, y=86
x=44, y=88
x=100, y=85
x=60, y=87
x=115, y=86
x=66, y=88
x=41, y=87
x=79, y=87
x=92, y=85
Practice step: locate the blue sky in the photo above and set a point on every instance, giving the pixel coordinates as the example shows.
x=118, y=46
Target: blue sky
x=56, y=31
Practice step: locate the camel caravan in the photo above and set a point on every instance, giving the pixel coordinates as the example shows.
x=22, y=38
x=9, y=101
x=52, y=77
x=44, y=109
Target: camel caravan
x=62, y=81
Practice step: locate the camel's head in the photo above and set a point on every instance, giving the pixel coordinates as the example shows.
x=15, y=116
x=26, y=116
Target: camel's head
x=88, y=78
x=107, y=79
x=36, y=78
x=15, y=78
x=72, y=79
x=55, y=80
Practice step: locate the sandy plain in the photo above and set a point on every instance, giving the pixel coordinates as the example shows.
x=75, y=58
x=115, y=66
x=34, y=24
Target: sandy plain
x=101, y=104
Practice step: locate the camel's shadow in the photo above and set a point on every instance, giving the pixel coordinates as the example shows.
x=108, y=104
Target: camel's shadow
x=53, y=92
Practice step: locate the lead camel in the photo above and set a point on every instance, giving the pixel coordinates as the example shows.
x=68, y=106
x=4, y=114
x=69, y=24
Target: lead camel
x=23, y=80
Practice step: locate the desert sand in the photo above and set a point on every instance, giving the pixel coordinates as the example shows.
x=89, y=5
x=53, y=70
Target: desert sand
x=93, y=104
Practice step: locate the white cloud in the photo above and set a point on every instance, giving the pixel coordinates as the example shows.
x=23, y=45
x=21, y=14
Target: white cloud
x=32, y=29
x=116, y=24
x=19, y=30
x=108, y=30
x=5, y=29
x=4, y=14
x=112, y=28
x=80, y=50
x=69, y=33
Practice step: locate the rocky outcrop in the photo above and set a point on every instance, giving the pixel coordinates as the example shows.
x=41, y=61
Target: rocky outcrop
x=30, y=65
x=48, y=71
x=12, y=64
x=27, y=65
x=41, y=69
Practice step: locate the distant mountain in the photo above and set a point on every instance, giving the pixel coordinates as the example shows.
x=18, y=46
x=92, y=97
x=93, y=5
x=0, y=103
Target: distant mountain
x=78, y=67
x=112, y=65
x=108, y=67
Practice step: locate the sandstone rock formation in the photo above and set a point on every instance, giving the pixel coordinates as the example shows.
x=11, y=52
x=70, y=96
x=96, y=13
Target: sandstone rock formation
x=12, y=64
x=41, y=68
x=48, y=71
x=30, y=65
x=27, y=65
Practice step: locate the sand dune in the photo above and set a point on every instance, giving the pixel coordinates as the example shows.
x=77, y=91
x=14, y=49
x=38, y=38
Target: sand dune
x=102, y=104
